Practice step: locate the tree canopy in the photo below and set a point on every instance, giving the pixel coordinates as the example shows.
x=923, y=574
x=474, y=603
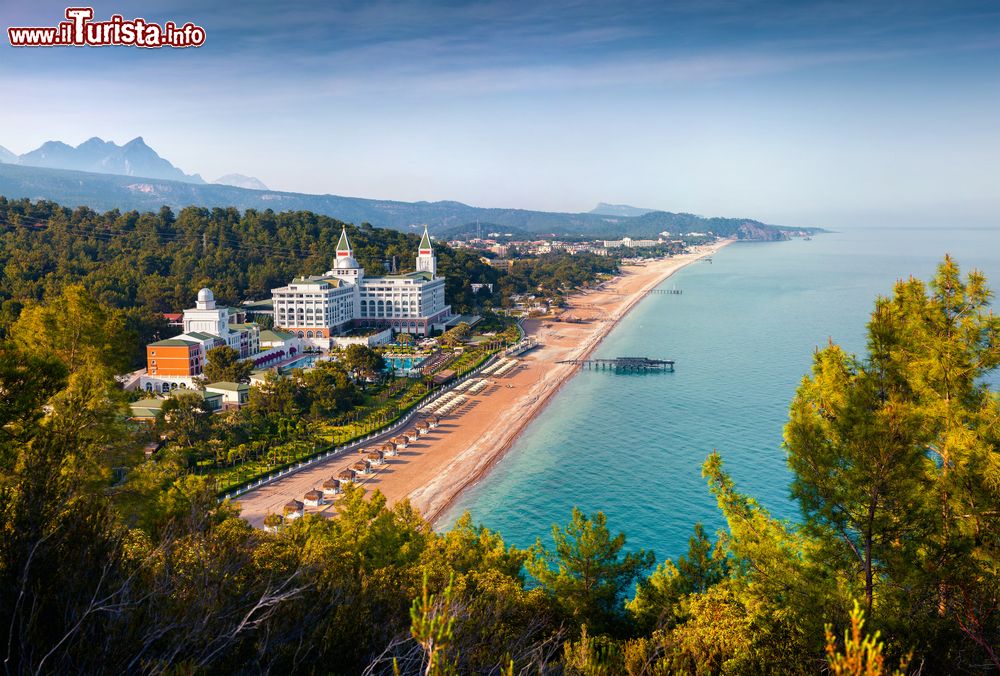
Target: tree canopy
x=362, y=361
x=224, y=365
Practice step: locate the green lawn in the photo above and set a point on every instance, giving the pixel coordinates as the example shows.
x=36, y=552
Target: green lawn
x=383, y=406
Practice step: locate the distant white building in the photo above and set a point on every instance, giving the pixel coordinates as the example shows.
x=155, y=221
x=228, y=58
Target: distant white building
x=630, y=243
x=317, y=308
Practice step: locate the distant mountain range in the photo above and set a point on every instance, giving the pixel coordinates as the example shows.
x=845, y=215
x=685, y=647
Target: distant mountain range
x=135, y=158
x=103, y=176
x=96, y=155
x=605, y=209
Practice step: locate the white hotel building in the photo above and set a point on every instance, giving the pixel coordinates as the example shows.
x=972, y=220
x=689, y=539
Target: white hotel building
x=321, y=307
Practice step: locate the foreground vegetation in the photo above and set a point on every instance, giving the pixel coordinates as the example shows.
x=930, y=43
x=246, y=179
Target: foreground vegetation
x=896, y=468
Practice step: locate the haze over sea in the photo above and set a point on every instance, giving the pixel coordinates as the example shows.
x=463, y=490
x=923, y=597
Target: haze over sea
x=743, y=334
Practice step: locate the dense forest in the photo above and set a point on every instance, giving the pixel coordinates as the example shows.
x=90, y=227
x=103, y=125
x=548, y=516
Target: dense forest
x=149, y=263
x=891, y=567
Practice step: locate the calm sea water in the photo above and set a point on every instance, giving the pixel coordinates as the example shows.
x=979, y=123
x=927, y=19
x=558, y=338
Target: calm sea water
x=743, y=334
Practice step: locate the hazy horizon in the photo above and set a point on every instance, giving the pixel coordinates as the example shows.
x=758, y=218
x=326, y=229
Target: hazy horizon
x=822, y=113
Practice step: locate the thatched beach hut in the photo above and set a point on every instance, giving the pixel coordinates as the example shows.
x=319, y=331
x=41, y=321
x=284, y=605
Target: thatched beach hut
x=293, y=510
x=413, y=433
x=389, y=449
x=402, y=441
x=423, y=427
x=313, y=498
x=347, y=475
x=434, y=421
x=361, y=467
x=331, y=486
x=376, y=458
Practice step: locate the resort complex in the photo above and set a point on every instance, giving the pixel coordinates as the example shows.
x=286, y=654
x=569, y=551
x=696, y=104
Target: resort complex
x=316, y=312
x=318, y=308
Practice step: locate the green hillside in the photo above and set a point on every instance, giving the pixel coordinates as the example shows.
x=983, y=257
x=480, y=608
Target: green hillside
x=105, y=192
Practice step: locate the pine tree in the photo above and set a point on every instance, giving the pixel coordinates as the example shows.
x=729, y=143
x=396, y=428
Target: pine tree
x=586, y=572
x=896, y=463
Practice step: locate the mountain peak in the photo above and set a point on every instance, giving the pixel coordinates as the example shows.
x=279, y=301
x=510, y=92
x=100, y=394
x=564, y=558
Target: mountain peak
x=135, y=158
x=241, y=181
x=95, y=143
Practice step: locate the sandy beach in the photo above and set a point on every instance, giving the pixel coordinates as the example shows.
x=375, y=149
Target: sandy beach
x=435, y=469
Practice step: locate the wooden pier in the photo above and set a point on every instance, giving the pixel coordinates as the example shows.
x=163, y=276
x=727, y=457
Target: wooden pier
x=624, y=364
x=663, y=292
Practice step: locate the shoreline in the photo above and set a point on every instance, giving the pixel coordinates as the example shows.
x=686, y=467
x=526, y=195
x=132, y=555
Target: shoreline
x=434, y=517
x=435, y=470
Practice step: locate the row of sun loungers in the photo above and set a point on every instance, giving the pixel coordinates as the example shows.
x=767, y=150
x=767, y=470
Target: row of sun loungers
x=506, y=367
x=500, y=367
x=479, y=387
x=457, y=402
x=440, y=402
x=464, y=385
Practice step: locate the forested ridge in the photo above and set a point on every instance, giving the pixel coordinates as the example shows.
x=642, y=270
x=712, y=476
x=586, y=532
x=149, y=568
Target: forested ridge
x=894, y=461
x=106, y=191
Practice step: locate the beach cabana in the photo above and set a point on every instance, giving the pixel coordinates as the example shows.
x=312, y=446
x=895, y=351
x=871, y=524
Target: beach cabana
x=389, y=449
x=402, y=441
x=347, y=475
x=376, y=458
x=423, y=427
x=434, y=421
x=413, y=433
x=361, y=467
x=293, y=510
x=331, y=487
x=313, y=498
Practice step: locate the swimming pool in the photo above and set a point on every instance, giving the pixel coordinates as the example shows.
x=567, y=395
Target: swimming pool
x=404, y=363
x=307, y=361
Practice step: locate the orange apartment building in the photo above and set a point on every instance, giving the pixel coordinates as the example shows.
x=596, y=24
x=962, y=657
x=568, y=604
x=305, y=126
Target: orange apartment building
x=174, y=357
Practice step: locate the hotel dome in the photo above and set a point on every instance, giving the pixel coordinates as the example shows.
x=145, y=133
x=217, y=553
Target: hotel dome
x=206, y=300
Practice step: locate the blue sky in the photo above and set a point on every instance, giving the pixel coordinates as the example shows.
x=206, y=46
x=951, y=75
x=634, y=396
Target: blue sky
x=810, y=113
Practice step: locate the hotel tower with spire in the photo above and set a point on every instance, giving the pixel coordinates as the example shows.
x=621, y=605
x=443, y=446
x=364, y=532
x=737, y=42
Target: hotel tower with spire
x=317, y=308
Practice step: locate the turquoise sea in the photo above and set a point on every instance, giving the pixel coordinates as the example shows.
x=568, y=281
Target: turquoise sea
x=743, y=334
